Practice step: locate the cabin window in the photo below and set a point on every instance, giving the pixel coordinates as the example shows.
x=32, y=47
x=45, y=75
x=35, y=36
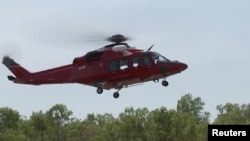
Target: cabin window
x=135, y=62
x=113, y=65
x=123, y=64
x=146, y=60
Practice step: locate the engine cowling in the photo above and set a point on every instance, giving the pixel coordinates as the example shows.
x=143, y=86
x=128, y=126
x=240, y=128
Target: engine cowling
x=121, y=48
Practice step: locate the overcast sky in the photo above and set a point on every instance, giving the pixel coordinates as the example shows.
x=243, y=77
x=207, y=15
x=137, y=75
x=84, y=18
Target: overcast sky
x=211, y=36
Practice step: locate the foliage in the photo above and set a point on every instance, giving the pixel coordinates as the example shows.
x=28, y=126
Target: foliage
x=8, y=119
x=233, y=114
x=194, y=106
x=187, y=123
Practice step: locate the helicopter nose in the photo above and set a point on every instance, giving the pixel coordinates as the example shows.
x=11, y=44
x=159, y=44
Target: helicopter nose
x=182, y=66
x=172, y=67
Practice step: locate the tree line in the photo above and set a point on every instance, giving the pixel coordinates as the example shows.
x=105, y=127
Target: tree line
x=188, y=122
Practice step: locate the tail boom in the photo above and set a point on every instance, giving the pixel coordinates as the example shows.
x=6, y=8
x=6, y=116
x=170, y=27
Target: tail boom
x=56, y=75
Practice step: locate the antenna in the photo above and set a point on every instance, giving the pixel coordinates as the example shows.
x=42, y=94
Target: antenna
x=151, y=47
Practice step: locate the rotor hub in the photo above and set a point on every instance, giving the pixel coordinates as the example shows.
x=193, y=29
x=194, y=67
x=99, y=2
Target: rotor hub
x=117, y=38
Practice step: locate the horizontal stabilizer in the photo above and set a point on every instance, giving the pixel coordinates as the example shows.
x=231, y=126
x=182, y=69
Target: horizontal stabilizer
x=11, y=78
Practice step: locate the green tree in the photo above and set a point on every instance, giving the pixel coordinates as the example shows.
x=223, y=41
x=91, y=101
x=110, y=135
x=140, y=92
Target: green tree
x=12, y=135
x=9, y=125
x=108, y=128
x=132, y=124
x=9, y=118
x=27, y=129
x=191, y=119
x=39, y=123
x=159, y=124
x=195, y=106
x=58, y=116
x=89, y=128
x=187, y=122
x=233, y=114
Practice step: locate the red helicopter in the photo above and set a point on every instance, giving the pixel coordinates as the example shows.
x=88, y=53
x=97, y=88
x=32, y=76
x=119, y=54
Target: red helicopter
x=116, y=65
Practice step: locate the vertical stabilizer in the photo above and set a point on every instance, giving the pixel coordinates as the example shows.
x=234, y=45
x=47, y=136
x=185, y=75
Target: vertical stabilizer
x=16, y=69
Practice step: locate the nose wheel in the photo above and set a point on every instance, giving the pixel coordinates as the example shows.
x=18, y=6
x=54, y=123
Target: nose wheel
x=116, y=95
x=99, y=90
x=164, y=83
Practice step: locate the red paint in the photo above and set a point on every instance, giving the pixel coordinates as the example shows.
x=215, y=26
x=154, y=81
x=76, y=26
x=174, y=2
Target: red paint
x=93, y=69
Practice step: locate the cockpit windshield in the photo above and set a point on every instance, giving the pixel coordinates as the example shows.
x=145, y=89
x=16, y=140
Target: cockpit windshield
x=159, y=58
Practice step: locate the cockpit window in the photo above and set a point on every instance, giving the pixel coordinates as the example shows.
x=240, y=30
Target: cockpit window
x=157, y=57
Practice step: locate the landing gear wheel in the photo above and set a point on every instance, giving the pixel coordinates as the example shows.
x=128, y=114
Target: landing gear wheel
x=116, y=95
x=164, y=83
x=99, y=90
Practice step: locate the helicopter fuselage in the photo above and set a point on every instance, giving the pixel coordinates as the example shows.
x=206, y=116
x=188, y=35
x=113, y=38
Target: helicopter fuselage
x=115, y=66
